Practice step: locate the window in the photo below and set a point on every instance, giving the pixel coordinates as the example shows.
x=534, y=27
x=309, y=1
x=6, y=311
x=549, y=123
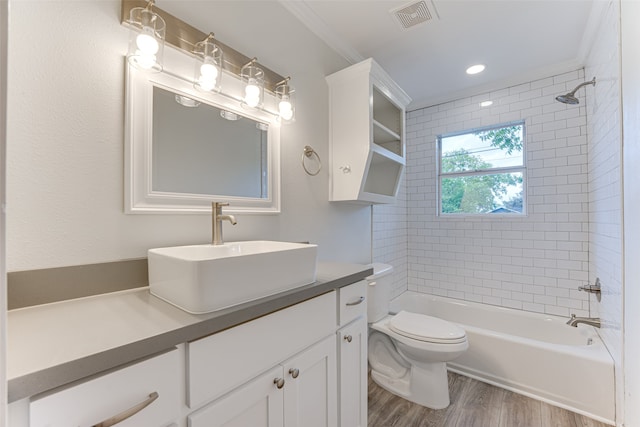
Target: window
x=482, y=171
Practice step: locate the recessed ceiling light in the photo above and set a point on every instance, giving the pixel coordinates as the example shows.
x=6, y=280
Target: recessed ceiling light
x=475, y=69
x=486, y=103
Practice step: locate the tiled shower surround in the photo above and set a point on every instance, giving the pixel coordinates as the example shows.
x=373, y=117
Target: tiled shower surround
x=534, y=262
x=389, y=238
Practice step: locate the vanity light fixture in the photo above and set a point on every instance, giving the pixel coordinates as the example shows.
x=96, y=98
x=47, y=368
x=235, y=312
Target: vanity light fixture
x=146, y=38
x=151, y=29
x=208, y=65
x=285, y=99
x=253, y=80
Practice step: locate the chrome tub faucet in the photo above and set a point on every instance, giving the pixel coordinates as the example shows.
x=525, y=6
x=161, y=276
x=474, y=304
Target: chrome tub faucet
x=216, y=222
x=592, y=321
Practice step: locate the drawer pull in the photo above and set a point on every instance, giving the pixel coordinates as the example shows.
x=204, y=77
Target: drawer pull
x=129, y=412
x=360, y=301
x=279, y=382
x=348, y=338
x=294, y=372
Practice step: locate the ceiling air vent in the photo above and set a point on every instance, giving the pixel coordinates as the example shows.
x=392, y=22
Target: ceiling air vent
x=414, y=13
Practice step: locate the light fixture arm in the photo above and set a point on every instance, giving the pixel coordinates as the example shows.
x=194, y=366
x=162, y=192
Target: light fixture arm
x=251, y=63
x=285, y=81
x=209, y=38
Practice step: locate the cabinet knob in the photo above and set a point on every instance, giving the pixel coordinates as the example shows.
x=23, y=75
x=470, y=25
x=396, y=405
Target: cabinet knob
x=279, y=382
x=294, y=372
x=348, y=338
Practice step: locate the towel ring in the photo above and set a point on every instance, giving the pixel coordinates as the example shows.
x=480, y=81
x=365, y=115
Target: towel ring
x=308, y=152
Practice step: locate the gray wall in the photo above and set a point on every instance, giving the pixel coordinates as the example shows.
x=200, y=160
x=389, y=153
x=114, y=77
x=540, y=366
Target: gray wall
x=65, y=150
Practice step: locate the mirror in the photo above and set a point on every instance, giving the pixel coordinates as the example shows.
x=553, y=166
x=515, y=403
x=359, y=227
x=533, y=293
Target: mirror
x=198, y=148
x=185, y=149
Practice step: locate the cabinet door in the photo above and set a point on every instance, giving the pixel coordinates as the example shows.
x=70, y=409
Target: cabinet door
x=310, y=393
x=258, y=403
x=352, y=374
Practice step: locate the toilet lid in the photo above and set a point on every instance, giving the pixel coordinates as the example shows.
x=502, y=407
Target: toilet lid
x=426, y=328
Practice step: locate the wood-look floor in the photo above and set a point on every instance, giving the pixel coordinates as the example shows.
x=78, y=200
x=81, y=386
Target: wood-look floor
x=473, y=404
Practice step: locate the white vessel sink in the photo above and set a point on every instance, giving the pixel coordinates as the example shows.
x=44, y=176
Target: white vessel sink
x=204, y=278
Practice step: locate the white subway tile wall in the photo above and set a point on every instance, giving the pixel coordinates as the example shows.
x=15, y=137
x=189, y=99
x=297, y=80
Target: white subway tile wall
x=534, y=262
x=390, y=242
x=605, y=197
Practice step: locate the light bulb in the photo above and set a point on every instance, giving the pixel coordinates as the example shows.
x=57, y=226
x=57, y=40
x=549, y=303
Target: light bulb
x=144, y=60
x=209, y=71
x=285, y=110
x=206, y=83
x=252, y=101
x=252, y=93
x=146, y=42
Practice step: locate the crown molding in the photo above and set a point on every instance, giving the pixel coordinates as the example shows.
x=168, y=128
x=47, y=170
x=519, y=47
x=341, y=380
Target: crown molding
x=301, y=10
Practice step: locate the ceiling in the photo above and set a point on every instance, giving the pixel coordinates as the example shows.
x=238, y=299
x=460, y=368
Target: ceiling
x=517, y=40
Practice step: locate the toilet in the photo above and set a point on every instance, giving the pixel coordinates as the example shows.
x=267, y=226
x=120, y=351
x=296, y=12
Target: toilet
x=408, y=351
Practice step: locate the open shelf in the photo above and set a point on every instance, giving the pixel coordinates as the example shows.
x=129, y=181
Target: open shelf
x=383, y=175
x=386, y=138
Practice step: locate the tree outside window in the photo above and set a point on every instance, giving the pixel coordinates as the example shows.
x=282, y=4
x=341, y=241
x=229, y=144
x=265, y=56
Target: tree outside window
x=482, y=171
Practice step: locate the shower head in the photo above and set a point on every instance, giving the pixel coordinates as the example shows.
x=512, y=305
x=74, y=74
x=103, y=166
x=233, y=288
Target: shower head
x=570, y=98
x=567, y=99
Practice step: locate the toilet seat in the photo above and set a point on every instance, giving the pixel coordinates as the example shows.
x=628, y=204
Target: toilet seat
x=425, y=328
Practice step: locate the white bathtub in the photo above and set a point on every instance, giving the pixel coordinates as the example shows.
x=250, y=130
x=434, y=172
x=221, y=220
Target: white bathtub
x=532, y=354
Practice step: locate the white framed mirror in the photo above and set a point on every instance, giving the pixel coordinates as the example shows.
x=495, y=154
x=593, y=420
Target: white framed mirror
x=185, y=148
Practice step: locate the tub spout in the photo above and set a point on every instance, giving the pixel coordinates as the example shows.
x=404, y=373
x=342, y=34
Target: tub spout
x=593, y=321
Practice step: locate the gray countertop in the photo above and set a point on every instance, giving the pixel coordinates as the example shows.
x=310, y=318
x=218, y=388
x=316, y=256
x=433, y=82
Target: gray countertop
x=57, y=344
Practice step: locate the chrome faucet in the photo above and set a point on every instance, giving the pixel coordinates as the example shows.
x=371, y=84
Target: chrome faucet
x=593, y=321
x=216, y=222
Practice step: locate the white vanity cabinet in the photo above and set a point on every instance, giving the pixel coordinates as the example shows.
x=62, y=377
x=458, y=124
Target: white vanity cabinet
x=367, y=134
x=310, y=387
x=297, y=393
x=352, y=355
x=300, y=366
x=149, y=391
x=295, y=347
x=258, y=403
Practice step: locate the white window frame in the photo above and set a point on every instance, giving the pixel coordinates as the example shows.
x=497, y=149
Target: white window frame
x=493, y=171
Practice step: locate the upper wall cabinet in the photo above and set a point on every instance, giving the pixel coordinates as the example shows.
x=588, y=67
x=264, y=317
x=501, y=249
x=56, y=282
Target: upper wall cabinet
x=367, y=125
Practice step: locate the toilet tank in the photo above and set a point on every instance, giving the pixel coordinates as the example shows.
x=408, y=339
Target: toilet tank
x=379, y=292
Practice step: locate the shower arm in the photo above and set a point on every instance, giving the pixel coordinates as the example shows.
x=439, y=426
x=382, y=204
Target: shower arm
x=590, y=82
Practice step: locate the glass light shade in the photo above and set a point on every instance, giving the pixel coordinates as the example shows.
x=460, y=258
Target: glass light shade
x=208, y=66
x=285, y=99
x=146, y=39
x=253, y=81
